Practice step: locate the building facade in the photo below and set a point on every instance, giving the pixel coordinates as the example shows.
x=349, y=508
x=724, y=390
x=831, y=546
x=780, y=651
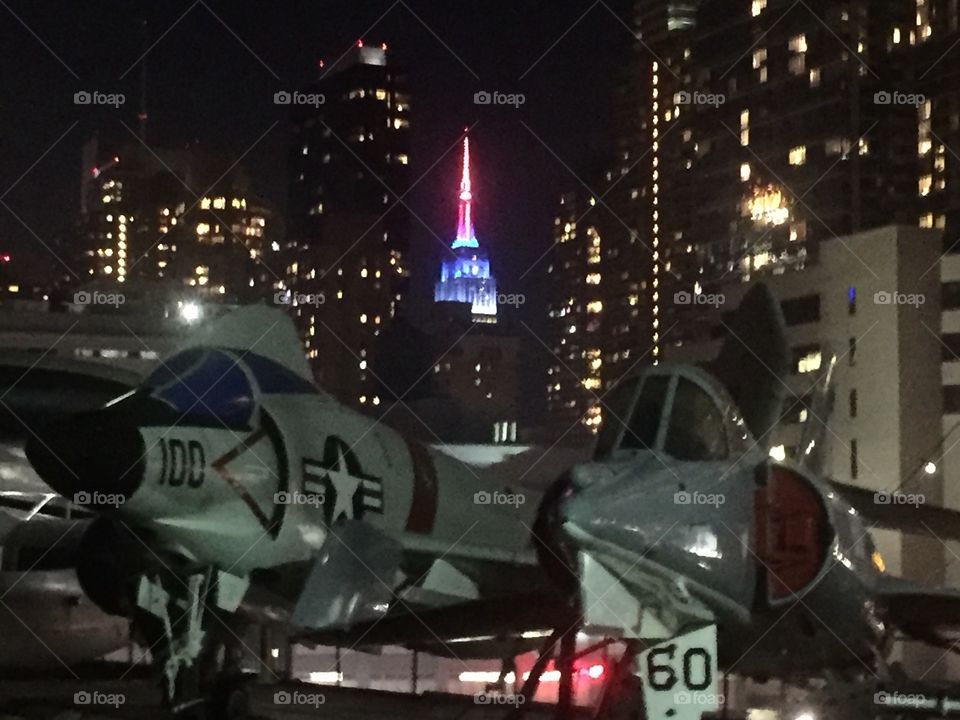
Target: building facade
x=140, y=219
x=348, y=230
x=748, y=135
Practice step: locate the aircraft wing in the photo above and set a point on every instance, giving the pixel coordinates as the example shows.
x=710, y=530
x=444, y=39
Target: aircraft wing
x=466, y=629
x=930, y=615
x=916, y=519
x=34, y=390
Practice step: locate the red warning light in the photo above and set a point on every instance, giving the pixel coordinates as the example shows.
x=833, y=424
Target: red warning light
x=359, y=43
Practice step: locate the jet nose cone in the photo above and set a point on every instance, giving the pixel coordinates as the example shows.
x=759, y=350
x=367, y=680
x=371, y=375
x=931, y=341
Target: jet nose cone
x=93, y=459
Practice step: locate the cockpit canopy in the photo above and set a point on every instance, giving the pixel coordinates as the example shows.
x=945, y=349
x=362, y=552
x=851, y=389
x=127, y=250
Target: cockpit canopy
x=205, y=385
x=219, y=387
x=678, y=410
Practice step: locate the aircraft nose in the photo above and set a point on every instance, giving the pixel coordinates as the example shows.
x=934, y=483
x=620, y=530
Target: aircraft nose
x=94, y=459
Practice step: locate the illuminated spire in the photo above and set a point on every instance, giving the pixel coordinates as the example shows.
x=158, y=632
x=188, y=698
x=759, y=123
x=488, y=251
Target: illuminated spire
x=465, y=234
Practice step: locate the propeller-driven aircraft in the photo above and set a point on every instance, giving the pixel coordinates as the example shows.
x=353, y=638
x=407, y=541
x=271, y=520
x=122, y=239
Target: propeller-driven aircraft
x=228, y=488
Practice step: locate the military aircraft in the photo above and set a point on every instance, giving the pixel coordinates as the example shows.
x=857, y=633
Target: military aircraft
x=229, y=486
x=46, y=620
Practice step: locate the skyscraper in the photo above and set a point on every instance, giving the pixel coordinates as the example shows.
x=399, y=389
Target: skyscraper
x=347, y=233
x=140, y=219
x=465, y=277
x=748, y=134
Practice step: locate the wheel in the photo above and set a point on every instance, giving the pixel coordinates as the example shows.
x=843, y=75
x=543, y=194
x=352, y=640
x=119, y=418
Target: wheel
x=230, y=700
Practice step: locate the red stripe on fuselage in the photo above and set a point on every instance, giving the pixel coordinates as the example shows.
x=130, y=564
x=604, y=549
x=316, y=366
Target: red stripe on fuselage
x=423, y=504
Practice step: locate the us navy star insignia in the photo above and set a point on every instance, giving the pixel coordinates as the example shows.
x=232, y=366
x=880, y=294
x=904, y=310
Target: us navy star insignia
x=346, y=491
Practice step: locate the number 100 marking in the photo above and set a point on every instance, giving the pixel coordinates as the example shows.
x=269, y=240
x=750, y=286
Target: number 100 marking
x=183, y=462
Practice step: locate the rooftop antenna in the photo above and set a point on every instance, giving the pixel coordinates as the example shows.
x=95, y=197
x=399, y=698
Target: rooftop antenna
x=142, y=114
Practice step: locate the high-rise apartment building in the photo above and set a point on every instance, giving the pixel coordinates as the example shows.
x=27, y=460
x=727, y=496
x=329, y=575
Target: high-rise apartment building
x=347, y=233
x=748, y=134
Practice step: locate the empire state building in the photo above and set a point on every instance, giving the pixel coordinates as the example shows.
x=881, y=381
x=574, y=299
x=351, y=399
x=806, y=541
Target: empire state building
x=465, y=273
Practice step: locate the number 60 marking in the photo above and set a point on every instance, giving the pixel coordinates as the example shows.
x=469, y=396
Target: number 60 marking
x=662, y=676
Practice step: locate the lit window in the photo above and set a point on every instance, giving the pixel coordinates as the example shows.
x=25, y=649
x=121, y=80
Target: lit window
x=593, y=279
x=815, y=77
x=759, y=58
x=594, y=307
x=926, y=182
x=798, y=43
x=798, y=155
x=837, y=146
x=809, y=362
x=745, y=172
x=758, y=7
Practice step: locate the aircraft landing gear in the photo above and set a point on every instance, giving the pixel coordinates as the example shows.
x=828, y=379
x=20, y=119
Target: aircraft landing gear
x=174, y=615
x=622, y=697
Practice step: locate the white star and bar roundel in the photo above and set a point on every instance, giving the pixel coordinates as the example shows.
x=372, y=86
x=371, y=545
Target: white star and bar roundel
x=340, y=483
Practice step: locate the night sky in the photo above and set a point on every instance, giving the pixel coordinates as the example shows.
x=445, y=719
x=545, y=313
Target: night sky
x=213, y=69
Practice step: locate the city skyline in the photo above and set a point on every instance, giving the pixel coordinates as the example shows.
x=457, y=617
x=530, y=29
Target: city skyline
x=229, y=127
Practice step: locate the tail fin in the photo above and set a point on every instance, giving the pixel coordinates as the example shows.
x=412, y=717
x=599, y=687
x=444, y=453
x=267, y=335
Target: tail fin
x=753, y=362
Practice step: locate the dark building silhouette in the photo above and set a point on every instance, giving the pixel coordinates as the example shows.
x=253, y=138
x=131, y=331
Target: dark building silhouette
x=347, y=233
